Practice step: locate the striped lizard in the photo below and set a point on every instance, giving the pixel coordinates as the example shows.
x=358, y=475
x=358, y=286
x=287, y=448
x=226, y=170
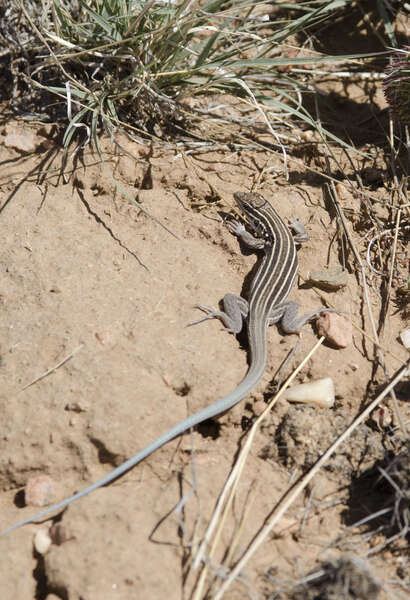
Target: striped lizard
x=267, y=305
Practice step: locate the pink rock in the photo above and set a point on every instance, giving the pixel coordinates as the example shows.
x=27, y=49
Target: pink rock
x=39, y=491
x=336, y=329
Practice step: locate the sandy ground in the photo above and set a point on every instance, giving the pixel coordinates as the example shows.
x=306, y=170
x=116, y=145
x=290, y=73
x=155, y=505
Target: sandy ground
x=86, y=275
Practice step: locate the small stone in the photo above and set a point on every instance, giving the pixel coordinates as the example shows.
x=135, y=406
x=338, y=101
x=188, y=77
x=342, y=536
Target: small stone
x=39, y=491
x=336, y=329
x=308, y=136
x=405, y=338
x=22, y=141
x=329, y=279
x=42, y=541
x=59, y=534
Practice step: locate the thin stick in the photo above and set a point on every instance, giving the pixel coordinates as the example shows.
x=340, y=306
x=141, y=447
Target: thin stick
x=294, y=492
x=393, y=258
x=52, y=369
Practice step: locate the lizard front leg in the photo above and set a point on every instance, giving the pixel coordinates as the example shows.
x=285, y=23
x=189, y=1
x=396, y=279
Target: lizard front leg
x=245, y=236
x=236, y=308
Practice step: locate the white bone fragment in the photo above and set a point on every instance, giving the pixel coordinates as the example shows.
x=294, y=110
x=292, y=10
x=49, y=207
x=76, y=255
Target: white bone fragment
x=320, y=392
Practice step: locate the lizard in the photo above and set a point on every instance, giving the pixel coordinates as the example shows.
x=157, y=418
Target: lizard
x=267, y=304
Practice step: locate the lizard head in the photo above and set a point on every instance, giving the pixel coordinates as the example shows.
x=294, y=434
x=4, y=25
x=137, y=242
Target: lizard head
x=253, y=206
x=249, y=201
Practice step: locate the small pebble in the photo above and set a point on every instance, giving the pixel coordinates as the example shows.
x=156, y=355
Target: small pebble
x=42, y=541
x=310, y=136
x=336, y=329
x=22, y=141
x=405, y=338
x=39, y=491
x=59, y=534
x=329, y=279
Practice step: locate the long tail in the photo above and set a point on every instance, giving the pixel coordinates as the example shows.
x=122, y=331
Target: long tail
x=244, y=388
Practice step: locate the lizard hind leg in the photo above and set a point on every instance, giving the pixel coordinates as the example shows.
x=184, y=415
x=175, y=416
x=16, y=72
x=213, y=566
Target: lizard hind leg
x=287, y=314
x=235, y=312
x=291, y=323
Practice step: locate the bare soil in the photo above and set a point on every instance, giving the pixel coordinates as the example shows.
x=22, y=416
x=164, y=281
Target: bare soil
x=88, y=277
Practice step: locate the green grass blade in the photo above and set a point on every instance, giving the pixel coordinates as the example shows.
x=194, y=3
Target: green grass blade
x=387, y=23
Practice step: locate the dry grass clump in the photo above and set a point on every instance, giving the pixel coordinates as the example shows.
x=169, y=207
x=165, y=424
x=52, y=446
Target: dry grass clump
x=346, y=578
